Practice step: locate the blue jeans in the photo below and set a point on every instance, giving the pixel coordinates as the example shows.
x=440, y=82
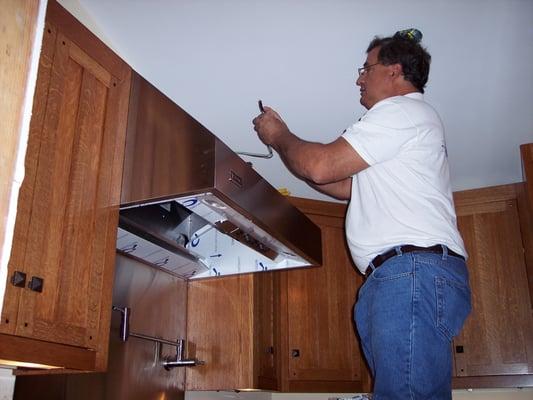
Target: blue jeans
x=407, y=313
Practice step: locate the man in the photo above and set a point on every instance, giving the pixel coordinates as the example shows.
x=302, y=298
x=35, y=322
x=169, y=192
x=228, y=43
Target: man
x=401, y=224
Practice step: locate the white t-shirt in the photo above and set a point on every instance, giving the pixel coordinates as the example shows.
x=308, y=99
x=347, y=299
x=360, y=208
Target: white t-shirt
x=405, y=196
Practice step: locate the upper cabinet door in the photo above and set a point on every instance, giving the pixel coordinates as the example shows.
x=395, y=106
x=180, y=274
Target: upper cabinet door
x=68, y=208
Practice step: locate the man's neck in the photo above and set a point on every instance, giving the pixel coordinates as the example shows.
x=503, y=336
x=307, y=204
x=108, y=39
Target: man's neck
x=404, y=88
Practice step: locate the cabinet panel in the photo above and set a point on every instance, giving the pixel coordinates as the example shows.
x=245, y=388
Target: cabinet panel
x=220, y=325
x=232, y=323
x=321, y=343
x=498, y=336
x=266, y=325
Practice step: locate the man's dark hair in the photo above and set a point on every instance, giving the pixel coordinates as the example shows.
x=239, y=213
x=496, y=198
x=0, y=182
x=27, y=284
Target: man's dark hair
x=413, y=58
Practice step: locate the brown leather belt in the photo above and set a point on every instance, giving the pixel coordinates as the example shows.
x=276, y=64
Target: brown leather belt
x=437, y=249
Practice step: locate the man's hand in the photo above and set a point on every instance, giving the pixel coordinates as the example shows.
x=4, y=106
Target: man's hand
x=322, y=165
x=270, y=126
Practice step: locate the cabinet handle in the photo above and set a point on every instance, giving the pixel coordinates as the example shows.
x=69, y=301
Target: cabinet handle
x=459, y=349
x=270, y=349
x=36, y=284
x=295, y=352
x=18, y=279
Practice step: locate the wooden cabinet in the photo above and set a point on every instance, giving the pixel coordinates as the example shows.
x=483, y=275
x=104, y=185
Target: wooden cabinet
x=495, y=347
x=64, y=240
x=290, y=331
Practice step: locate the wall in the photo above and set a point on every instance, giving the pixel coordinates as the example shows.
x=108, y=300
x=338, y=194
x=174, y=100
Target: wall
x=7, y=384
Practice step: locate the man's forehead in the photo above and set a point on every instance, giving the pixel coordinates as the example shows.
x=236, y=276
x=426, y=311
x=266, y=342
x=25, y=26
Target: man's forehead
x=372, y=56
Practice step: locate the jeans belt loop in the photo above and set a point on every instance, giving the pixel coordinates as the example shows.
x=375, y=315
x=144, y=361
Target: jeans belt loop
x=444, y=252
x=371, y=266
x=398, y=250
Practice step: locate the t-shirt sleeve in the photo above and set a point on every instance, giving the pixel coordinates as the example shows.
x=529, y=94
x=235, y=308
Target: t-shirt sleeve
x=381, y=133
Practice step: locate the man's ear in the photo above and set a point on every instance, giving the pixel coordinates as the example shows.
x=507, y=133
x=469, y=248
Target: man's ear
x=396, y=70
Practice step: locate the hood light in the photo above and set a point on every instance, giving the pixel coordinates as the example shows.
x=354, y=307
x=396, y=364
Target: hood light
x=214, y=204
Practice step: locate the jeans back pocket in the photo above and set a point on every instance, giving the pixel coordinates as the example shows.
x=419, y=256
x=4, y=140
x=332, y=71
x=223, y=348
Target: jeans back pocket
x=453, y=306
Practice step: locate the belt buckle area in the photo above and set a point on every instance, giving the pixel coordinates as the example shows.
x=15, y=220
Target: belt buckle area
x=381, y=258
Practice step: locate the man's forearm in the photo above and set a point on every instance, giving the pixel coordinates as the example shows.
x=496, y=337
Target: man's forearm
x=341, y=190
x=298, y=155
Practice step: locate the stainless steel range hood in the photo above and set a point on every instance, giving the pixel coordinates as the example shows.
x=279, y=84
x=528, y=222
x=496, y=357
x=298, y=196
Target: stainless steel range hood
x=192, y=207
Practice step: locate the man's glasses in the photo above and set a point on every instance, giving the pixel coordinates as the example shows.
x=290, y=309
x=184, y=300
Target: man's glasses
x=364, y=70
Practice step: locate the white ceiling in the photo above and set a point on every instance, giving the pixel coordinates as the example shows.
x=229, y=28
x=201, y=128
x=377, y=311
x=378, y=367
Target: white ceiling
x=217, y=58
